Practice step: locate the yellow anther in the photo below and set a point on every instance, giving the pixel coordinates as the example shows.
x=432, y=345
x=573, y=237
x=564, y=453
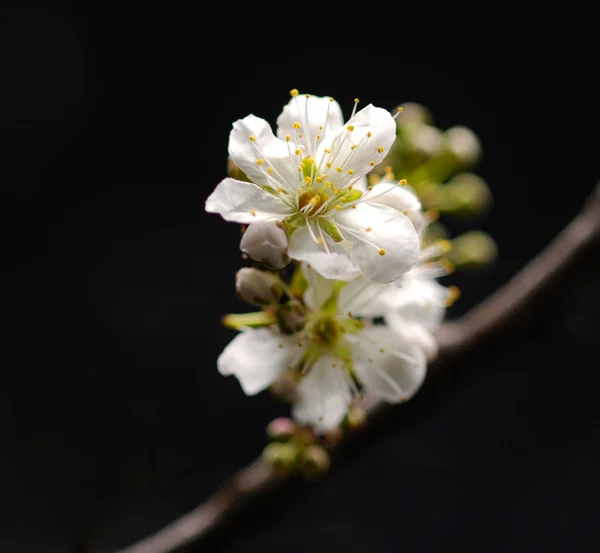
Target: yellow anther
x=270, y=170
x=331, y=99
x=400, y=109
x=354, y=146
x=444, y=245
x=356, y=100
x=381, y=149
x=280, y=189
x=353, y=207
x=370, y=187
x=320, y=240
x=369, y=135
x=381, y=350
x=453, y=295
x=300, y=135
x=328, y=183
x=298, y=151
x=300, y=168
x=403, y=182
x=351, y=187
x=351, y=171
x=338, y=207
x=260, y=161
x=308, y=95
x=307, y=180
x=327, y=150
x=381, y=251
x=339, y=169
x=374, y=179
x=389, y=169
x=371, y=163
x=328, y=164
x=350, y=127
x=288, y=137
x=297, y=125
x=318, y=180
x=320, y=127
x=318, y=137
x=368, y=229
x=447, y=266
x=294, y=92
x=253, y=213
x=252, y=138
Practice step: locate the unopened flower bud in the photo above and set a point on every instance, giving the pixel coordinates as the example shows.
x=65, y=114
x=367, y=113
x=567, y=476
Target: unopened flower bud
x=413, y=113
x=267, y=242
x=464, y=144
x=281, y=429
x=426, y=139
x=291, y=316
x=472, y=249
x=314, y=460
x=281, y=456
x=466, y=193
x=258, y=287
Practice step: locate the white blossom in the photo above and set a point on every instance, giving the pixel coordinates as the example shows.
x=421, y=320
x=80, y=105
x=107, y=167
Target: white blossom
x=310, y=177
x=335, y=356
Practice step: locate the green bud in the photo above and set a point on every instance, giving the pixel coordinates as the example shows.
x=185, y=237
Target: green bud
x=466, y=193
x=473, y=249
x=463, y=142
x=281, y=429
x=413, y=113
x=314, y=461
x=266, y=242
x=282, y=457
x=258, y=287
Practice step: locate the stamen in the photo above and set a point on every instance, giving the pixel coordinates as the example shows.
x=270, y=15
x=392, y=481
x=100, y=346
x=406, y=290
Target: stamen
x=356, y=100
x=294, y=92
x=398, y=112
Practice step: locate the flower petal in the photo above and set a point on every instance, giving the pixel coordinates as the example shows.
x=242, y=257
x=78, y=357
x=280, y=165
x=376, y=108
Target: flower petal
x=251, y=140
x=245, y=202
x=412, y=331
x=317, y=117
x=364, y=298
x=323, y=396
x=420, y=300
x=334, y=263
x=373, y=133
x=385, y=244
x=257, y=357
x=394, y=195
x=388, y=365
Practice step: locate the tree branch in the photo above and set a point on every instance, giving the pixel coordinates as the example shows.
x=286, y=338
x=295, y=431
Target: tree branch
x=455, y=339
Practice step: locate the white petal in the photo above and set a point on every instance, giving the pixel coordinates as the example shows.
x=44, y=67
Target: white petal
x=257, y=357
x=400, y=198
x=244, y=202
x=412, y=331
x=312, y=114
x=394, y=374
x=390, y=246
x=356, y=149
x=275, y=153
x=323, y=396
x=319, y=288
x=364, y=298
x=420, y=300
x=333, y=263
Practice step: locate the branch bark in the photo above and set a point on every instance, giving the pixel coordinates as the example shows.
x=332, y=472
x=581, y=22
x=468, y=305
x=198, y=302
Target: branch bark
x=455, y=339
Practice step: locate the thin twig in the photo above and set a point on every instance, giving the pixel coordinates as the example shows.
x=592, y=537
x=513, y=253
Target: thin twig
x=455, y=338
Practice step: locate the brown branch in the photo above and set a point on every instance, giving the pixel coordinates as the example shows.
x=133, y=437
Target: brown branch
x=455, y=338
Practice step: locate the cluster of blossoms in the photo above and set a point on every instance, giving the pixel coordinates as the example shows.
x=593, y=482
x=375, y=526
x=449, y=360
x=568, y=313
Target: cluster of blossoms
x=359, y=311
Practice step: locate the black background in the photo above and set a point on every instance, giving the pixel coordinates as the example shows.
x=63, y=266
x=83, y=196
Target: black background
x=113, y=418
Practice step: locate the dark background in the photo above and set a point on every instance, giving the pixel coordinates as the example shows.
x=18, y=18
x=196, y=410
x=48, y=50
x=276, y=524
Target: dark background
x=113, y=418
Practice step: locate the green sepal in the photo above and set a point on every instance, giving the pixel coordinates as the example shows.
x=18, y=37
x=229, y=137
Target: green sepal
x=330, y=228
